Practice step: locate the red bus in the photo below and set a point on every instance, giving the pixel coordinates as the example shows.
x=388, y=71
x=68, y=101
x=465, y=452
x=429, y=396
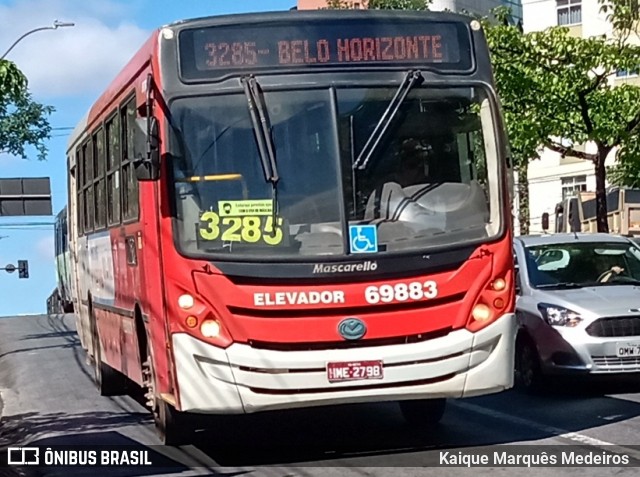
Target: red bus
x=295, y=209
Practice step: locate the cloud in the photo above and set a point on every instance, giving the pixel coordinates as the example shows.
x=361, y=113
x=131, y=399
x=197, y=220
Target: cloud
x=74, y=60
x=45, y=249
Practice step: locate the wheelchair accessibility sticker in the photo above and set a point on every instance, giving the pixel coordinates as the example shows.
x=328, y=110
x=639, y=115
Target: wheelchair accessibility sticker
x=363, y=238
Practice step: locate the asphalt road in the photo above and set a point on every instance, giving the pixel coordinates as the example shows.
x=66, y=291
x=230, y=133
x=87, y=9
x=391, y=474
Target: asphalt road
x=47, y=397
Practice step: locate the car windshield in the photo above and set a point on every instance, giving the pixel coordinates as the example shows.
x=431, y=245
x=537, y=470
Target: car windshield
x=575, y=264
x=432, y=178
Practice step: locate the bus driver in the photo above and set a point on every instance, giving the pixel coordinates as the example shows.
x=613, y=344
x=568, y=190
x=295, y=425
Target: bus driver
x=414, y=163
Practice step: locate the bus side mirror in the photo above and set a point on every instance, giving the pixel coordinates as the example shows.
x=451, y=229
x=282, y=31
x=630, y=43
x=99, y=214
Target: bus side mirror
x=147, y=149
x=545, y=221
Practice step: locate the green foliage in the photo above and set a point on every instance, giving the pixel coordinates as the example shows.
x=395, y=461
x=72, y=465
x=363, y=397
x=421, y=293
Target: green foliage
x=23, y=122
x=382, y=4
x=554, y=85
x=622, y=14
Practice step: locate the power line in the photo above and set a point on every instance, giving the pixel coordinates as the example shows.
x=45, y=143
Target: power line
x=27, y=224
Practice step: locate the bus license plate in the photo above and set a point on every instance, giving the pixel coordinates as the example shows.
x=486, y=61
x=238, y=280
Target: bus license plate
x=354, y=371
x=627, y=349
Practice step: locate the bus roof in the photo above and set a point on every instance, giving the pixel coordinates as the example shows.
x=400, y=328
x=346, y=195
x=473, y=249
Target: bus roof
x=144, y=55
x=288, y=15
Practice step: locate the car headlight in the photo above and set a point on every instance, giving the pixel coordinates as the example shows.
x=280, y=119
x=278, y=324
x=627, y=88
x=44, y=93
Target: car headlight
x=559, y=315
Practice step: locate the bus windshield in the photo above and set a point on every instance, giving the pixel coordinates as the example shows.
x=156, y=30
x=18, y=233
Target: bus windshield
x=431, y=180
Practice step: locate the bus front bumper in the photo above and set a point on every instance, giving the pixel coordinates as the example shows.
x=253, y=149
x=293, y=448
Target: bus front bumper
x=241, y=379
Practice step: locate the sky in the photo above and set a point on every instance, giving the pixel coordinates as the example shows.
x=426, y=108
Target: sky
x=68, y=68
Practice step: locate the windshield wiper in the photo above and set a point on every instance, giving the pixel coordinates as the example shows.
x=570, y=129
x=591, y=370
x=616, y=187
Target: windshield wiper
x=264, y=138
x=411, y=79
x=560, y=285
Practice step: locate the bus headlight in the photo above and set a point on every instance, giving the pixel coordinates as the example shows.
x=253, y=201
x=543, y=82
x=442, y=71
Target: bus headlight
x=185, y=301
x=210, y=328
x=481, y=312
x=499, y=284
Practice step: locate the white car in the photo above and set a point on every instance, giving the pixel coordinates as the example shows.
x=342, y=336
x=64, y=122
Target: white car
x=578, y=306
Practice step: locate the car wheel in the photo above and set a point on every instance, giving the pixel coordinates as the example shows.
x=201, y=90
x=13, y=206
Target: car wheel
x=528, y=373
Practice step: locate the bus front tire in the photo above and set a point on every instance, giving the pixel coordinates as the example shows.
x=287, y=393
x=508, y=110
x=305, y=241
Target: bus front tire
x=422, y=412
x=172, y=426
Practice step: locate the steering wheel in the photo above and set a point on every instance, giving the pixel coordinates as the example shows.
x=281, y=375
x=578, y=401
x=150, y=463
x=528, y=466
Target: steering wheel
x=622, y=279
x=614, y=276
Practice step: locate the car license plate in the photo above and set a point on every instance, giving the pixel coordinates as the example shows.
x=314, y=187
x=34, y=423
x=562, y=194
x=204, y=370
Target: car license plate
x=354, y=371
x=627, y=349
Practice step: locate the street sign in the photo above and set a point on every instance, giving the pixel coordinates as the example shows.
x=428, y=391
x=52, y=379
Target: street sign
x=10, y=268
x=25, y=196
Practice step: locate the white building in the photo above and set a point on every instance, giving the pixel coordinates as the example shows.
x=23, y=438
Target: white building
x=553, y=177
x=482, y=7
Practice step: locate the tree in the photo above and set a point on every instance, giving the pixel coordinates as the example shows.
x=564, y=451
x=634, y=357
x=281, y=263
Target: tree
x=517, y=92
x=23, y=121
x=623, y=16
x=568, y=98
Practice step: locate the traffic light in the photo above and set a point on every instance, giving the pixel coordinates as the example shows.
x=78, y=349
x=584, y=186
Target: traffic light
x=23, y=269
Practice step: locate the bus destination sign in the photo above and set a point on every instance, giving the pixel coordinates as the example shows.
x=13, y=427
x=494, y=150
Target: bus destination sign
x=222, y=50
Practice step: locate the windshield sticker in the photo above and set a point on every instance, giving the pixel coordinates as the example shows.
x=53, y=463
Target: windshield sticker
x=239, y=208
x=363, y=238
x=247, y=229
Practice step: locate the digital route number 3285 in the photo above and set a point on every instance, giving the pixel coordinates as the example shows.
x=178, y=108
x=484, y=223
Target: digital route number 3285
x=248, y=228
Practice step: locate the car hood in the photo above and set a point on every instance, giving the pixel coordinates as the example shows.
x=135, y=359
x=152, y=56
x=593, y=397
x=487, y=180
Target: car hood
x=600, y=300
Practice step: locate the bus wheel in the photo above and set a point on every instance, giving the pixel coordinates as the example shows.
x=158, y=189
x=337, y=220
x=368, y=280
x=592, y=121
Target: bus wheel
x=109, y=381
x=171, y=425
x=528, y=375
x=421, y=412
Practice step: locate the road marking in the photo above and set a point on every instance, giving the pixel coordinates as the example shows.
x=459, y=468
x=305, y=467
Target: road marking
x=554, y=431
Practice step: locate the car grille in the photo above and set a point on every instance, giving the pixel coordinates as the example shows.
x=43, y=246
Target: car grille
x=614, y=363
x=615, y=327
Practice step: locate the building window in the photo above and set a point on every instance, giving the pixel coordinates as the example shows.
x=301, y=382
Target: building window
x=572, y=185
x=569, y=12
x=515, y=6
x=626, y=73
